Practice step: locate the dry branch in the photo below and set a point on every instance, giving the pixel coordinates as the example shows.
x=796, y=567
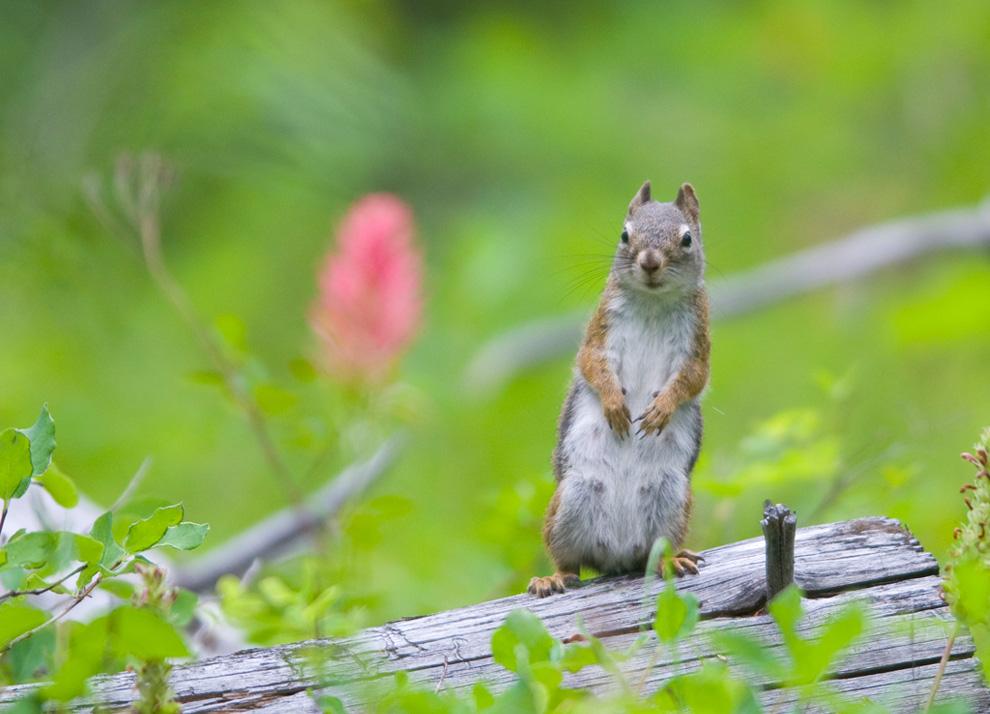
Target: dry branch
x=281, y=531
x=854, y=256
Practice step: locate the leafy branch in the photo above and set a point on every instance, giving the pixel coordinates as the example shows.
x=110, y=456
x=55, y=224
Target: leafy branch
x=37, y=562
x=139, y=186
x=54, y=618
x=41, y=591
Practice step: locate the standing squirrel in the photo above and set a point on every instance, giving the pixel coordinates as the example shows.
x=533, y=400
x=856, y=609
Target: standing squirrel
x=646, y=352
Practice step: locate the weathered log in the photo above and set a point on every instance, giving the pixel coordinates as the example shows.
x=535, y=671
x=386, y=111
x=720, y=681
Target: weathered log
x=874, y=560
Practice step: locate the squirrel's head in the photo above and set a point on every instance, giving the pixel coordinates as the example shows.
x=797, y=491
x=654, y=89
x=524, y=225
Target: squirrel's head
x=660, y=249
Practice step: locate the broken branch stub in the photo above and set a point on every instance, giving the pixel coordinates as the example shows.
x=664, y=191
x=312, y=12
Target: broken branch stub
x=779, y=526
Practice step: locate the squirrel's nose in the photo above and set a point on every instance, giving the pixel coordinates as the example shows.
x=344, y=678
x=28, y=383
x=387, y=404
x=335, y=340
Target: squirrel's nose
x=649, y=261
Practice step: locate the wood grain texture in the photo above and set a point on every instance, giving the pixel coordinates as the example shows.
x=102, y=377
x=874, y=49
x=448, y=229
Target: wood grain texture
x=874, y=560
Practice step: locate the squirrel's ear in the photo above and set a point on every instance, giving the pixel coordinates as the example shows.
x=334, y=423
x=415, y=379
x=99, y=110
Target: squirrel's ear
x=640, y=198
x=687, y=201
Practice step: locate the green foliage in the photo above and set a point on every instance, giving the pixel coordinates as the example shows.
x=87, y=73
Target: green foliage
x=159, y=640
x=37, y=562
x=303, y=603
x=797, y=123
x=967, y=585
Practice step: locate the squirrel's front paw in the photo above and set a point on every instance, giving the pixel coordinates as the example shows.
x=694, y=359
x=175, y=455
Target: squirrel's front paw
x=617, y=413
x=656, y=417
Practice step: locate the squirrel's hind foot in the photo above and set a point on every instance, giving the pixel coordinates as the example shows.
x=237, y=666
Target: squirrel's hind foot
x=556, y=583
x=684, y=562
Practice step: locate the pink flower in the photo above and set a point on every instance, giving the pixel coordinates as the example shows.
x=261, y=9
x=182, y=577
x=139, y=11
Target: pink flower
x=370, y=302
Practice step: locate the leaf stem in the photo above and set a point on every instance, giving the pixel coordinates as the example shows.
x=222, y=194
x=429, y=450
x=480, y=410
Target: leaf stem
x=3, y=517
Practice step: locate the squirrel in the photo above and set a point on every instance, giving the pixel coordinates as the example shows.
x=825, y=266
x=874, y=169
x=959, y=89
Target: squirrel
x=646, y=351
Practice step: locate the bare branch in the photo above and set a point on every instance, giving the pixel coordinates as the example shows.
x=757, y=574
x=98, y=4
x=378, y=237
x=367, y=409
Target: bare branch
x=854, y=256
x=281, y=530
x=851, y=257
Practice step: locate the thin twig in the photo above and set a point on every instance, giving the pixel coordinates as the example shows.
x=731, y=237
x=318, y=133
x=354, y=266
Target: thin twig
x=941, y=667
x=138, y=190
x=443, y=675
x=3, y=517
x=41, y=591
x=55, y=618
x=649, y=668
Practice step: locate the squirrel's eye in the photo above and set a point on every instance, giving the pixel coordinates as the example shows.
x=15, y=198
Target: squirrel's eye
x=625, y=236
x=686, y=240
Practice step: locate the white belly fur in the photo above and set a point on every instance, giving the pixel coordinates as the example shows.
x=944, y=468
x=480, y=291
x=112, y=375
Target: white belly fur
x=617, y=496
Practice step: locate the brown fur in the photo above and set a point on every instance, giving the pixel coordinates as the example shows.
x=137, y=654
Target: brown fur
x=599, y=375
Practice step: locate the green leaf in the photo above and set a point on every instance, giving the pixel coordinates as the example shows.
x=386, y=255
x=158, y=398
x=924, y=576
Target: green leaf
x=970, y=600
x=60, y=486
x=482, y=697
x=547, y=674
x=42, y=438
x=30, y=550
x=87, y=575
x=16, y=619
x=671, y=615
x=676, y=615
x=22, y=488
x=521, y=627
x=274, y=400
x=15, y=462
x=103, y=532
x=302, y=369
x=25, y=660
x=87, y=655
x=712, y=689
x=118, y=587
x=12, y=577
x=35, y=582
x=749, y=652
x=233, y=331
x=144, y=534
x=838, y=634
x=185, y=536
x=785, y=609
x=209, y=377
x=577, y=657
x=30, y=703
x=183, y=608
x=88, y=550
x=330, y=705
x=142, y=634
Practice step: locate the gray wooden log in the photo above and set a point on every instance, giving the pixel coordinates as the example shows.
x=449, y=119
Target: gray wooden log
x=872, y=559
x=779, y=526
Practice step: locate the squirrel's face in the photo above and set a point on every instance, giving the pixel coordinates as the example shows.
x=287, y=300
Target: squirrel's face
x=660, y=248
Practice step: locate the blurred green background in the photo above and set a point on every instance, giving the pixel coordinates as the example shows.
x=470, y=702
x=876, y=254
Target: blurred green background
x=518, y=132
